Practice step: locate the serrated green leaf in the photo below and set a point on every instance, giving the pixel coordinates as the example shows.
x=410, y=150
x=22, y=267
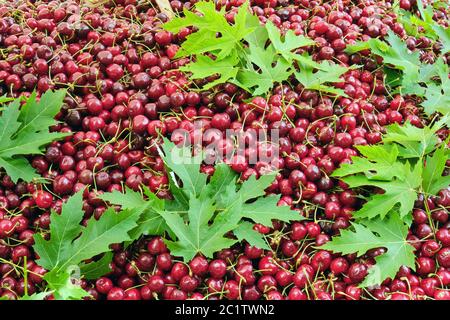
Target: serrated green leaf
x=246, y=232
x=204, y=67
x=222, y=179
x=254, y=188
x=9, y=123
x=268, y=72
x=359, y=46
x=327, y=73
x=444, y=37
x=438, y=95
x=127, y=200
x=259, y=36
x=380, y=163
x=265, y=209
x=433, y=181
x=414, y=142
x=35, y=116
x=18, y=168
x=389, y=233
x=4, y=99
x=99, y=234
x=97, y=269
x=36, y=296
x=198, y=236
x=150, y=222
x=61, y=283
x=214, y=33
x=398, y=191
x=64, y=228
x=185, y=166
x=289, y=42
x=70, y=243
x=24, y=132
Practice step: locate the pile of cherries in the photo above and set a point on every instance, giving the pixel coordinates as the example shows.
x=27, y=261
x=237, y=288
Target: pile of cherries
x=125, y=90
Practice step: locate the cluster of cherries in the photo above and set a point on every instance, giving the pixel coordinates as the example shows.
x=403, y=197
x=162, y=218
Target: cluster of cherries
x=125, y=91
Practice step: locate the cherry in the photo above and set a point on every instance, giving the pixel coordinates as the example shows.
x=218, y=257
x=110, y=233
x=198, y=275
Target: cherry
x=43, y=199
x=217, y=269
x=116, y=294
x=303, y=276
x=103, y=285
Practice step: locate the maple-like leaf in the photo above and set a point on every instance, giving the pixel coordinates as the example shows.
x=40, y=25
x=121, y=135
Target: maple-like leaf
x=438, y=95
x=316, y=80
x=150, y=222
x=246, y=232
x=218, y=209
x=433, y=181
x=223, y=178
x=443, y=36
x=379, y=162
x=96, y=269
x=36, y=296
x=204, y=67
x=214, y=33
x=399, y=191
x=259, y=36
x=64, y=286
x=396, y=53
x=64, y=228
x=265, y=209
x=70, y=243
x=24, y=131
x=285, y=45
x=269, y=70
x=199, y=236
x=413, y=142
x=185, y=166
x=389, y=233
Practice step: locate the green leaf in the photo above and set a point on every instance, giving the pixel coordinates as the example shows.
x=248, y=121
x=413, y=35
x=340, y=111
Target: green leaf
x=64, y=228
x=264, y=210
x=414, y=142
x=150, y=221
x=259, y=36
x=290, y=41
x=99, y=234
x=35, y=116
x=214, y=33
x=389, y=233
x=70, y=243
x=127, y=200
x=61, y=283
x=9, y=123
x=438, y=95
x=204, y=67
x=380, y=163
x=269, y=70
x=36, y=296
x=246, y=232
x=444, y=37
x=18, y=168
x=222, y=178
x=24, y=132
x=397, y=54
x=97, y=269
x=185, y=166
x=198, y=236
x=254, y=188
x=398, y=191
x=327, y=73
x=433, y=181
x=4, y=99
